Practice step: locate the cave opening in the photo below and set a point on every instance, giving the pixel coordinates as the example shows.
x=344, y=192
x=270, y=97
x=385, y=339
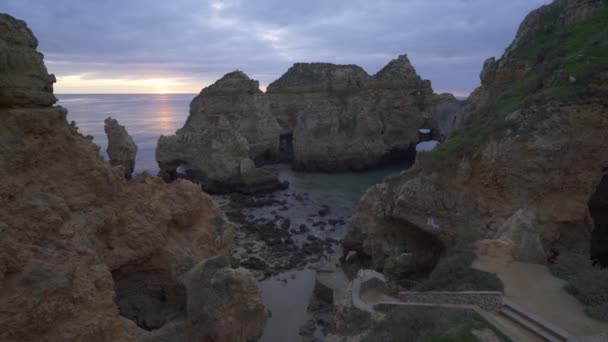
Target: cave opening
x=286, y=147
x=598, y=207
x=150, y=298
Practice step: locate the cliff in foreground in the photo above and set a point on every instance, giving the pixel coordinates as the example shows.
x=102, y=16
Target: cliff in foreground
x=86, y=255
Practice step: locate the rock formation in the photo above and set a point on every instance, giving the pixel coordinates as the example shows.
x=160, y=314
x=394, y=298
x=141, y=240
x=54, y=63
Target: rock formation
x=85, y=255
x=216, y=142
x=121, y=148
x=449, y=113
x=518, y=176
x=238, y=99
x=344, y=119
x=319, y=116
x=25, y=81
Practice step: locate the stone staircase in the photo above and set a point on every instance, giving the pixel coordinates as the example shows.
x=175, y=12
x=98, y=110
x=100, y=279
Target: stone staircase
x=533, y=323
x=510, y=314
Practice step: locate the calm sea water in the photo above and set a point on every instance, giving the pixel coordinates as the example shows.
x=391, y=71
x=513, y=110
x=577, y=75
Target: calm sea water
x=146, y=117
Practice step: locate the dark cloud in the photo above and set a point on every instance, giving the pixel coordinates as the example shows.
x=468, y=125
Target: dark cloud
x=446, y=40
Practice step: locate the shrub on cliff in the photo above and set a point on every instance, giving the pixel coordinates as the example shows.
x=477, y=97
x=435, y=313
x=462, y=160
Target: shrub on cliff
x=454, y=273
x=587, y=282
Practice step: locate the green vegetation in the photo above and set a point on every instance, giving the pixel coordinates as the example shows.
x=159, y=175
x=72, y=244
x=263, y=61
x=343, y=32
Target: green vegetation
x=454, y=273
x=428, y=324
x=587, y=282
x=555, y=53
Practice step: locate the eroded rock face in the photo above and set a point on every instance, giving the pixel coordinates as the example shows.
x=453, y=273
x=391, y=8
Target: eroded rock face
x=238, y=99
x=223, y=302
x=226, y=123
x=319, y=116
x=449, y=113
x=85, y=255
x=523, y=189
x=25, y=80
x=121, y=148
x=344, y=119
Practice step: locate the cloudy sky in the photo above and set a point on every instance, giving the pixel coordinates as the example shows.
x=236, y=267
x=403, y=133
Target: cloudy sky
x=140, y=46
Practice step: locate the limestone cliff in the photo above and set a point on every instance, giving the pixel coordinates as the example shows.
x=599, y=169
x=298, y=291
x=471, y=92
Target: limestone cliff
x=344, y=119
x=518, y=176
x=226, y=131
x=87, y=256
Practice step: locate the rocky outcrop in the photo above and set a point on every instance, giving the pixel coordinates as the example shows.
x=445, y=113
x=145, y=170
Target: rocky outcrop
x=319, y=116
x=239, y=100
x=121, y=148
x=344, y=119
x=225, y=305
x=85, y=255
x=449, y=113
x=216, y=142
x=25, y=80
x=518, y=176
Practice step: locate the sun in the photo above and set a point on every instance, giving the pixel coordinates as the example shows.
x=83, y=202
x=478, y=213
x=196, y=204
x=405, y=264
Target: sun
x=162, y=91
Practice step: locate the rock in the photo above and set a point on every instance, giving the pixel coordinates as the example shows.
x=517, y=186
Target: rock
x=121, y=148
x=572, y=79
x=523, y=191
x=351, y=255
x=85, y=255
x=25, y=80
x=238, y=99
x=218, y=156
x=344, y=119
x=449, y=114
x=223, y=303
x=228, y=128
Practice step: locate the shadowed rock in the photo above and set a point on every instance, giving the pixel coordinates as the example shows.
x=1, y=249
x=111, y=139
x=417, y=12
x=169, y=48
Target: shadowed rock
x=25, y=80
x=84, y=255
x=121, y=148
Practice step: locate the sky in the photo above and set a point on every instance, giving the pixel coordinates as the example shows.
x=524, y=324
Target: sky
x=180, y=46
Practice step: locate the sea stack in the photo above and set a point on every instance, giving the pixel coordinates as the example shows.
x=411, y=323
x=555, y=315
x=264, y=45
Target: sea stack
x=226, y=131
x=121, y=148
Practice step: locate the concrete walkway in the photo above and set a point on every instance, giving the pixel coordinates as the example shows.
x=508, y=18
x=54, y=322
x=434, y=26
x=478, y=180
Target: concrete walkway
x=535, y=289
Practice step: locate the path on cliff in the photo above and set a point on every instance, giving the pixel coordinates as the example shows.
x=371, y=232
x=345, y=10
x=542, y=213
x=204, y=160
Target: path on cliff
x=534, y=288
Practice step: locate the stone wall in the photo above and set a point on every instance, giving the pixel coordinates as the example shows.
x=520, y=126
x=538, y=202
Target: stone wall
x=487, y=300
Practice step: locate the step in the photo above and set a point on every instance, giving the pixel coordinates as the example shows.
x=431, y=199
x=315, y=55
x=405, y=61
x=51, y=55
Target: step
x=532, y=326
x=558, y=332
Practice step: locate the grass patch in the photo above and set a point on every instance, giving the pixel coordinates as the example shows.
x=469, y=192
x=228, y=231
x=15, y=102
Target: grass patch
x=554, y=53
x=587, y=282
x=454, y=273
x=428, y=324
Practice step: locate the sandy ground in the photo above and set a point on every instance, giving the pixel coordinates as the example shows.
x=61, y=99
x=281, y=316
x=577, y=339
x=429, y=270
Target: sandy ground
x=535, y=289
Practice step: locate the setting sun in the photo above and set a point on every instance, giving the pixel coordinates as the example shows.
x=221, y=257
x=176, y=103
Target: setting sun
x=83, y=84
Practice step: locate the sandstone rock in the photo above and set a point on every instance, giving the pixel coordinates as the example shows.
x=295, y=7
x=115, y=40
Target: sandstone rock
x=227, y=129
x=85, y=255
x=238, y=99
x=344, y=119
x=223, y=303
x=25, y=80
x=523, y=191
x=121, y=148
x=449, y=114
